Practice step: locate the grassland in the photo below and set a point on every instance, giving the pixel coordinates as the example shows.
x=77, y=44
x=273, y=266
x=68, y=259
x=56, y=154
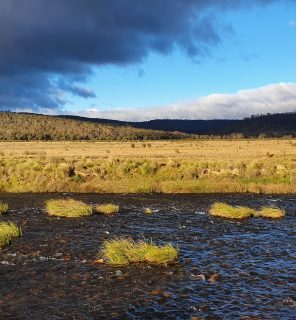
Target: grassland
x=187, y=166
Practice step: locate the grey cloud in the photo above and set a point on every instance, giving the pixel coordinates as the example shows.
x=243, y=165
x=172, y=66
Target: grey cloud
x=76, y=89
x=42, y=39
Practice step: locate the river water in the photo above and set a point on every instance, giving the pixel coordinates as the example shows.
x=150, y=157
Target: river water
x=227, y=269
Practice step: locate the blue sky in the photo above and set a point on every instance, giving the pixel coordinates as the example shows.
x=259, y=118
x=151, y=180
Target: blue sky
x=252, y=49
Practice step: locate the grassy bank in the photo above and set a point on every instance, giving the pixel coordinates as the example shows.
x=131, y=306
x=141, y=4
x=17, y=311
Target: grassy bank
x=259, y=166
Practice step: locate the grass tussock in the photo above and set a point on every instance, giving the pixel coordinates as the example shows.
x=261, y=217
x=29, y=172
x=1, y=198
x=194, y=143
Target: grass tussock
x=107, y=208
x=148, y=211
x=125, y=251
x=8, y=231
x=3, y=207
x=68, y=208
x=270, y=212
x=224, y=210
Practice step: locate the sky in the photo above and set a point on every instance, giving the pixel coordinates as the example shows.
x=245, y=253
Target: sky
x=138, y=60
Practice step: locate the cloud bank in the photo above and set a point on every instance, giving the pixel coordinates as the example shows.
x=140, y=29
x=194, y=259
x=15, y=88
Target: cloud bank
x=48, y=48
x=273, y=98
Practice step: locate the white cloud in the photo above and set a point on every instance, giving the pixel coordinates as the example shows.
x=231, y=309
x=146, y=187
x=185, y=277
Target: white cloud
x=273, y=98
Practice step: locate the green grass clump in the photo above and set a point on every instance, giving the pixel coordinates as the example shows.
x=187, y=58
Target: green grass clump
x=224, y=210
x=270, y=212
x=3, y=207
x=8, y=231
x=68, y=208
x=125, y=251
x=107, y=208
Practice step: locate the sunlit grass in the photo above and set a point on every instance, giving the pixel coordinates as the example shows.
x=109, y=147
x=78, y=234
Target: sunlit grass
x=126, y=251
x=199, y=167
x=8, y=231
x=3, y=207
x=68, y=208
x=224, y=210
x=107, y=208
x=270, y=212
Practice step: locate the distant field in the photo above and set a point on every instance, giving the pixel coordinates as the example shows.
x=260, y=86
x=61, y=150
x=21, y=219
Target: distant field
x=267, y=166
x=201, y=149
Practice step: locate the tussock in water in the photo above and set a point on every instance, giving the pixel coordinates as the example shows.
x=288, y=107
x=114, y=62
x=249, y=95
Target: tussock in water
x=270, y=212
x=3, y=207
x=68, y=208
x=107, y=208
x=126, y=251
x=8, y=231
x=224, y=210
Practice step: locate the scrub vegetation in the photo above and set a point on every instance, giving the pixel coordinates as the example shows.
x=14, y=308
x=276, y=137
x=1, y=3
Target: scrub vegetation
x=8, y=231
x=3, y=207
x=224, y=210
x=126, y=251
x=200, y=166
x=27, y=127
x=107, y=208
x=68, y=208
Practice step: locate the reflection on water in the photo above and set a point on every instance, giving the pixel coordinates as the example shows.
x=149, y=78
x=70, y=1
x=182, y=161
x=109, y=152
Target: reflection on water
x=227, y=270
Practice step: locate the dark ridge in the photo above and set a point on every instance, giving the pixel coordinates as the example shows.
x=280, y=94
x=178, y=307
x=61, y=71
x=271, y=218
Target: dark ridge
x=270, y=125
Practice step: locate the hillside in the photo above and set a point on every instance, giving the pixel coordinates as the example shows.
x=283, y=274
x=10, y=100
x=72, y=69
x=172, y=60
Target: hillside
x=271, y=125
x=23, y=126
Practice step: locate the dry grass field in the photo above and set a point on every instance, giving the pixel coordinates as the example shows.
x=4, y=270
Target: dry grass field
x=267, y=166
x=185, y=149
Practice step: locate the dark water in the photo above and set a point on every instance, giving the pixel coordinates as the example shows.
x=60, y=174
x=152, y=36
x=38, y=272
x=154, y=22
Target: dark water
x=50, y=272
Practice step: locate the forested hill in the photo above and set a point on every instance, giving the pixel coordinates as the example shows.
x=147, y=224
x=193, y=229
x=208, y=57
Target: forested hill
x=25, y=126
x=271, y=125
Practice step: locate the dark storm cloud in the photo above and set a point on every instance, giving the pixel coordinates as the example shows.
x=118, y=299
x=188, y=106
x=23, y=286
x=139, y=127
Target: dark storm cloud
x=42, y=40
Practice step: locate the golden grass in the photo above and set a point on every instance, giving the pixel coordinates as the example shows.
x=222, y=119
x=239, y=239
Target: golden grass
x=3, y=207
x=270, y=212
x=205, y=150
x=224, y=210
x=125, y=251
x=8, y=231
x=68, y=208
x=107, y=208
x=200, y=166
